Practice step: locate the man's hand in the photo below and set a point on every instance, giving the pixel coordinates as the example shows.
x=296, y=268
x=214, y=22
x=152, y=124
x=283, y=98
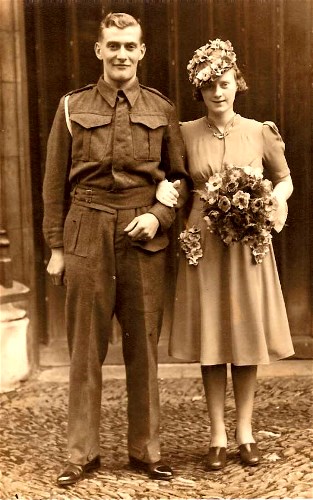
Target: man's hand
x=143, y=227
x=56, y=266
x=166, y=192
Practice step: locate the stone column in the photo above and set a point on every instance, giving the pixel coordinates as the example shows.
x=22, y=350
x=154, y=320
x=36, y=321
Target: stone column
x=16, y=226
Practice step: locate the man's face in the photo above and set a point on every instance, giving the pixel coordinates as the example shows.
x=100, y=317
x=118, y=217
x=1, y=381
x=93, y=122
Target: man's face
x=120, y=50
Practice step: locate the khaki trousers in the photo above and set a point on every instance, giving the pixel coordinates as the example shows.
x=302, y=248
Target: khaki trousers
x=105, y=273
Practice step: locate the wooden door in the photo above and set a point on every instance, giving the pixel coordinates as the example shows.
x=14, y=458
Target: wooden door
x=273, y=42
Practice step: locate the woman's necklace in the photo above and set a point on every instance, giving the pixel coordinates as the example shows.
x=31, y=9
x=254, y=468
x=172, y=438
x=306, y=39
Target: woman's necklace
x=221, y=135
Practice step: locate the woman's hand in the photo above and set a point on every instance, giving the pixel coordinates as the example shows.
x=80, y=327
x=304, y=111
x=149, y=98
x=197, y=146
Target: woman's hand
x=280, y=214
x=281, y=192
x=56, y=266
x=166, y=192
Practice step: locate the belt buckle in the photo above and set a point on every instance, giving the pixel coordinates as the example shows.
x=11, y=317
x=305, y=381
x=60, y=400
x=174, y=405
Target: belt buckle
x=88, y=193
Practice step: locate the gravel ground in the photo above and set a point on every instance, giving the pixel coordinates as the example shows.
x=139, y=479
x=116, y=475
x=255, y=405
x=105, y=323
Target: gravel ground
x=33, y=419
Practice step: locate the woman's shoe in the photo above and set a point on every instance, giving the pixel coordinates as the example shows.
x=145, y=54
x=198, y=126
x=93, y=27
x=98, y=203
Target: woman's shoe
x=249, y=454
x=216, y=458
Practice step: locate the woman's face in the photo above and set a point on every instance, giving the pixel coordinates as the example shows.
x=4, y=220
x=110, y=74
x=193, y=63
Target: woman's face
x=219, y=96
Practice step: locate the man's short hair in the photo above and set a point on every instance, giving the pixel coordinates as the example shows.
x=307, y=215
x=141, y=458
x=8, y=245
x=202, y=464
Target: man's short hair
x=120, y=20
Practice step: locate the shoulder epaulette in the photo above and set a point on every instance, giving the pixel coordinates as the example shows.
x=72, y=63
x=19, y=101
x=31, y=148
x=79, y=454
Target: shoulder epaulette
x=66, y=99
x=81, y=89
x=157, y=92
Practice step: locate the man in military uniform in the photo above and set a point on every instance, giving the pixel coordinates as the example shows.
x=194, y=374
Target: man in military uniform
x=109, y=147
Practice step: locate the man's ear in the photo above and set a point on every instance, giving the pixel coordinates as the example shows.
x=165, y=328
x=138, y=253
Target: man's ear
x=98, y=51
x=142, y=51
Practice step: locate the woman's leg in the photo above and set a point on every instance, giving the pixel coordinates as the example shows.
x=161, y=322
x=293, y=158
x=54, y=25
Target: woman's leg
x=214, y=382
x=244, y=383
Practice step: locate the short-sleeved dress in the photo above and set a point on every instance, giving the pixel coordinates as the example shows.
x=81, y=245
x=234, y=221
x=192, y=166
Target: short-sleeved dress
x=227, y=308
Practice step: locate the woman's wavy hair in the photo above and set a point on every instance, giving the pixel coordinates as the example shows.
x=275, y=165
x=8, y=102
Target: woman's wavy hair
x=241, y=84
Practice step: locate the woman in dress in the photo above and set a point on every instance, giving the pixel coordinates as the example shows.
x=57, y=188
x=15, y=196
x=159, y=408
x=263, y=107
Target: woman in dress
x=228, y=308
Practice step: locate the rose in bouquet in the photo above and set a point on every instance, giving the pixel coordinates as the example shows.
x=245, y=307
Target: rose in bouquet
x=238, y=205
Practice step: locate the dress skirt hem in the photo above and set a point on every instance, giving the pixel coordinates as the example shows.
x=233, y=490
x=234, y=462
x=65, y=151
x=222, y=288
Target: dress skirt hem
x=271, y=359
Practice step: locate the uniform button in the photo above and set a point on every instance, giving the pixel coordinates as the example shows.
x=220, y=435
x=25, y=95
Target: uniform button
x=114, y=277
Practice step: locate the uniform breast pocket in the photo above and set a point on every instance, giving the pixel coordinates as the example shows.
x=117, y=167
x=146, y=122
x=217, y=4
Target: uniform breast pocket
x=92, y=136
x=77, y=231
x=147, y=133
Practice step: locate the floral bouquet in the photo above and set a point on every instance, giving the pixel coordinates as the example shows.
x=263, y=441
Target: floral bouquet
x=238, y=205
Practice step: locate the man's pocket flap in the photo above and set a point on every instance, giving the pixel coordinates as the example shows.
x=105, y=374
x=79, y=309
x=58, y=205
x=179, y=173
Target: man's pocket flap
x=158, y=243
x=90, y=120
x=150, y=121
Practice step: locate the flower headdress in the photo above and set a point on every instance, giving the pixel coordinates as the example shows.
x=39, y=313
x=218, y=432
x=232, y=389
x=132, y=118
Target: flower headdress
x=210, y=61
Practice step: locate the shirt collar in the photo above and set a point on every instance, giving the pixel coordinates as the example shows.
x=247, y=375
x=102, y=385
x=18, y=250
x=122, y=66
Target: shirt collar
x=110, y=93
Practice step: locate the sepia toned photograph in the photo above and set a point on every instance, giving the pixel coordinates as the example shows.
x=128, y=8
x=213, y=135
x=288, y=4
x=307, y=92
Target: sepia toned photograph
x=156, y=235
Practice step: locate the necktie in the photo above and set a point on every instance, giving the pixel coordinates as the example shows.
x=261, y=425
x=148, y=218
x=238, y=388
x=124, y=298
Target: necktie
x=122, y=139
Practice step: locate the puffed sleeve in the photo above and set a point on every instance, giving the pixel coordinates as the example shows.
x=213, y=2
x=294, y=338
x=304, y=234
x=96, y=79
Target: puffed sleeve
x=274, y=159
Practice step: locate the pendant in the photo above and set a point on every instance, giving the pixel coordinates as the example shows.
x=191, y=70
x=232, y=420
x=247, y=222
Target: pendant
x=220, y=135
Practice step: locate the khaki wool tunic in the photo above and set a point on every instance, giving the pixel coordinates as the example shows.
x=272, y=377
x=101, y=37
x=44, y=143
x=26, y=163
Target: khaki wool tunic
x=229, y=309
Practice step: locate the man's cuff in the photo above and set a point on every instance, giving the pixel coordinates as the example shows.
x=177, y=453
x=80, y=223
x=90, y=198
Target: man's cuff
x=165, y=215
x=54, y=238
